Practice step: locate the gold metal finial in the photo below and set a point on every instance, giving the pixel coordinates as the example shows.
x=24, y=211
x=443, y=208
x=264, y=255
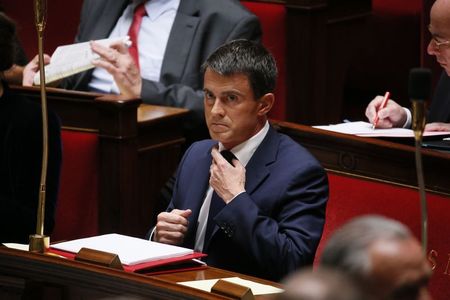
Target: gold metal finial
x=418, y=126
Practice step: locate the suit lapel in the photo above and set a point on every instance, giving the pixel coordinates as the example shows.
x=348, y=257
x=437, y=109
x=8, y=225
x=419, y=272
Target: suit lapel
x=180, y=41
x=197, y=192
x=110, y=13
x=256, y=169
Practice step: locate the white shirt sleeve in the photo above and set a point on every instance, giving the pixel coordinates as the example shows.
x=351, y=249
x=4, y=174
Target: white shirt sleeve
x=408, y=118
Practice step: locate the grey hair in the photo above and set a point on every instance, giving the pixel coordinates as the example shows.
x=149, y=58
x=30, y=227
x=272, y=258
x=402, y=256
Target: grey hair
x=347, y=249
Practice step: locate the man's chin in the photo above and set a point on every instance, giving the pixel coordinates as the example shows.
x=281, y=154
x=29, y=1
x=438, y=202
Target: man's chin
x=220, y=137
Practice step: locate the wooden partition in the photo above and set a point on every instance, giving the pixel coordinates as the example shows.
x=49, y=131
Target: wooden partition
x=377, y=159
x=321, y=37
x=138, y=147
x=25, y=275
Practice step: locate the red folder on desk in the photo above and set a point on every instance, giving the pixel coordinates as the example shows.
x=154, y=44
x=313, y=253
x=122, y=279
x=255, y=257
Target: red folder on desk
x=135, y=255
x=166, y=265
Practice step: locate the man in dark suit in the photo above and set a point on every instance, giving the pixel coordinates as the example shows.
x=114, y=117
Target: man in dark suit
x=184, y=33
x=438, y=119
x=21, y=154
x=261, y=213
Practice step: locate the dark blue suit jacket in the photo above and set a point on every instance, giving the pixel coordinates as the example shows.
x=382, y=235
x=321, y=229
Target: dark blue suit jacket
x=21, y=164
x=440, y=106
x=275, y=226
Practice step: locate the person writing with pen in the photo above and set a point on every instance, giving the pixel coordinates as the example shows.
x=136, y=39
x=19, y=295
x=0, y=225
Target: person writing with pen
x=438, y=118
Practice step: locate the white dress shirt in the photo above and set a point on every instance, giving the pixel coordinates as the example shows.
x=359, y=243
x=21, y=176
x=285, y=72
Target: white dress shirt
x=152, y=37
x=243, y=153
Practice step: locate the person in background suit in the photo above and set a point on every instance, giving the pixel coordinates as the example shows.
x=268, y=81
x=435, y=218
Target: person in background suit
x=438, y=119
x=176, y=37
x=320, y=284
x=261, y=213
x=21, y=154
x=382, y=256
x=14, y=74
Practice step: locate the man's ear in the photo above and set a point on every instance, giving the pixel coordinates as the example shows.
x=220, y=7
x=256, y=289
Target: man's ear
x=265, y=103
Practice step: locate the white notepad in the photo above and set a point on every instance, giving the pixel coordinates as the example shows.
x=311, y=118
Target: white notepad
x=365, y=129
x=130, y=250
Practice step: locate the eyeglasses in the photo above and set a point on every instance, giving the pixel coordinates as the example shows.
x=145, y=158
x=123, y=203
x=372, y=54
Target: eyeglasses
x=436, y=43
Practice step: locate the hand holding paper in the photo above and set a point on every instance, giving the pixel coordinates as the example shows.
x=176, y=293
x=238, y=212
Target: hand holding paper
x=118, y=62
x=71, y=59
x=30, y=70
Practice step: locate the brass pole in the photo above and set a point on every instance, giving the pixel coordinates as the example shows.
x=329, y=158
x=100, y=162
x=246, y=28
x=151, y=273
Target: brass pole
x=39, y=242
x=418, y=126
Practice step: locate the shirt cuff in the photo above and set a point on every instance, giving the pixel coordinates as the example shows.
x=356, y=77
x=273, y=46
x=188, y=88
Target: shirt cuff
x=408, y=118
x=152, y=233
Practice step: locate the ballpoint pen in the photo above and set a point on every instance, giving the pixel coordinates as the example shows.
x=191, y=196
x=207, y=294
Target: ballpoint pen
x=383, y=105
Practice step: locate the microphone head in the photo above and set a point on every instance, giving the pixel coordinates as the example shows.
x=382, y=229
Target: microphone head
x=419, y=85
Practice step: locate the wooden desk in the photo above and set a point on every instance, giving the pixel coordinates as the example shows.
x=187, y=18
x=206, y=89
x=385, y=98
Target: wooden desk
x=139, y=147
x=372, y=158
x=37, y=276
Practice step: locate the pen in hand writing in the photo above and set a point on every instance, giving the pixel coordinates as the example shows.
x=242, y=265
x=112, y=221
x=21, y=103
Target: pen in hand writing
x=383, y=105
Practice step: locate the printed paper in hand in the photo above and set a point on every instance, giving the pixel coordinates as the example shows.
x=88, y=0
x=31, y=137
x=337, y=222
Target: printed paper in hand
x=72, y=59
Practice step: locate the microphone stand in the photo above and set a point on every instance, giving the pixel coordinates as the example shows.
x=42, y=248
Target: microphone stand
x=418, y=125
x=39, y=242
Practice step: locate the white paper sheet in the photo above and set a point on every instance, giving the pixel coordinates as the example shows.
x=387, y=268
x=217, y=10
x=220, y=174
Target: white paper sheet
x=72, y=59
x=365, y=129
x=130, y=250
x=257, y=288
x=23, y=247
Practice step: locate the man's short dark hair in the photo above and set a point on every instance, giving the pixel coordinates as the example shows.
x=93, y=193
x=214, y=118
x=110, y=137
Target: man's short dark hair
x=248, y=58
x=7, y=42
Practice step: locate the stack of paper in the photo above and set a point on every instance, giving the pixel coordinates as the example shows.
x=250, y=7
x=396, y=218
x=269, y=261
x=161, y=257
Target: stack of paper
x=365, y=129
x=131, y=251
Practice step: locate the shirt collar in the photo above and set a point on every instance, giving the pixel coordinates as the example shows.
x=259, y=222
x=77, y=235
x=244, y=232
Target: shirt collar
x=244, y=151
x=156, y=8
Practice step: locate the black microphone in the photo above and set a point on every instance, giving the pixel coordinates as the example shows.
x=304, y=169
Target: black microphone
x=419, y=90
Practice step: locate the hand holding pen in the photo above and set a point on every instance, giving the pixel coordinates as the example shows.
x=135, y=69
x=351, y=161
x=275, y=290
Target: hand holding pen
x=382, y=105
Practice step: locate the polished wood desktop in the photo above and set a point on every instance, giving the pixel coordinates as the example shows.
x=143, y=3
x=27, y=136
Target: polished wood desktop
x=37, y=276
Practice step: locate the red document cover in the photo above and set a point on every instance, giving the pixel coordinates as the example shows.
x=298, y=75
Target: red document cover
x=173, y=264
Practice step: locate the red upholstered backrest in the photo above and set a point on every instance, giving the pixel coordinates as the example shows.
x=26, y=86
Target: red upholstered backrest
x=350, y=197
x=76, y=214
x=273, y=21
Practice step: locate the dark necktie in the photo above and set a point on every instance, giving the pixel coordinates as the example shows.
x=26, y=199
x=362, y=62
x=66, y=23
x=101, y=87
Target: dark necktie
x=217, y=203
x=139, y=13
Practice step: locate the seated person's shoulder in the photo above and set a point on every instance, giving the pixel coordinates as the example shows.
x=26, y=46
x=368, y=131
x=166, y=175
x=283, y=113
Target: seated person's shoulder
x=296, y=154
x=232, y=10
